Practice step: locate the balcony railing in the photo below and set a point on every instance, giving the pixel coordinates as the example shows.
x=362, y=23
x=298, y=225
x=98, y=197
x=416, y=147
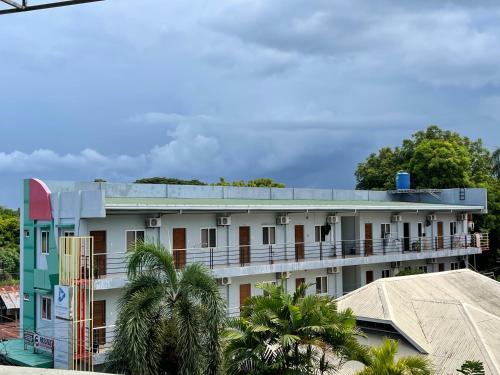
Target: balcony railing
x=246, y=255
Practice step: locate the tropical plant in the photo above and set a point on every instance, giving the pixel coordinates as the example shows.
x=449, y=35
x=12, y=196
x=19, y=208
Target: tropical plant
x=472, y=368
x=279, y=333
x=381, y=361
x=169, y=320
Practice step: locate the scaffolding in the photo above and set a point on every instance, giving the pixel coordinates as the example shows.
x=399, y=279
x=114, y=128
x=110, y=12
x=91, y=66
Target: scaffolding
x=76, y=272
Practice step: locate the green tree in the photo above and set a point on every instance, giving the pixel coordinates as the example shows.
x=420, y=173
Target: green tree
x=9, y=245
x=410, y=271
x=472, y=368
x=169, y=320
x=169, y=181
x=278, y=333
x=495, y=159
x=381, y=360
x=258, y=182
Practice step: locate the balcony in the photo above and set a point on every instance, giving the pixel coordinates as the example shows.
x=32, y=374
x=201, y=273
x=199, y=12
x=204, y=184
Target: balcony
x=110, y=268
x=103, y=339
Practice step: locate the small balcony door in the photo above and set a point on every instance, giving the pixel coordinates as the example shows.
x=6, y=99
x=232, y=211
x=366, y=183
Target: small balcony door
x=440, y=239
x=406, y=237
x=179, y=247
x=99, y=252
x=245, y=292
x=368, y=239
x=369, y=277
x=99, y=319
x=299, y=242
x=244, y=245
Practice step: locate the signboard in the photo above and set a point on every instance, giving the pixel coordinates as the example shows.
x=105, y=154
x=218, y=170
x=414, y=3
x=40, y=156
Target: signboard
x=62, y=305
x=43, y=343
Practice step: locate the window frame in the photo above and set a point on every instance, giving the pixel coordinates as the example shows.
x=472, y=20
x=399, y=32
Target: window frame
x=135, y=237
x=383, y=232
x=386, y=272
x=453, y=228
x=268, y=227
x=46, y=307
x=46, y=242
x=322, y=287
x=208, y=229
x=319, y=233
x=424, y=268
x=420, y=229
x=454, y=266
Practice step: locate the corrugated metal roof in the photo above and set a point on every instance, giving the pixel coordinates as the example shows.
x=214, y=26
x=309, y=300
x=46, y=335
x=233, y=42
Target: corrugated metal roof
x=453, y=316
x=10, y=297
x=130, y=203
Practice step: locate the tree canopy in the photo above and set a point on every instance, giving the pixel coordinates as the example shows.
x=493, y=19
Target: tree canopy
x=9, y=244
x=258, y=182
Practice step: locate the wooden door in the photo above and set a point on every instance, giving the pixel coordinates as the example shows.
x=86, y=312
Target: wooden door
x=368, y=239
x=369, y=277
x=299, y=242
x=99, y=252
x=299, y=281
x=406, y=236
x=441, y=267
x=245, y=292
x=99, y=320
x=179, y=247
x=440, y=239
x=244, y=245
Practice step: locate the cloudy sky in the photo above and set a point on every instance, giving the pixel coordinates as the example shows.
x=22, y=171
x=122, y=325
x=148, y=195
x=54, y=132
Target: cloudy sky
x=300, y=91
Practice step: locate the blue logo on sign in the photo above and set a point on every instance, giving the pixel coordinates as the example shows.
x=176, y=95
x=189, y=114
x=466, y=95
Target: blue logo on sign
x=62, y=295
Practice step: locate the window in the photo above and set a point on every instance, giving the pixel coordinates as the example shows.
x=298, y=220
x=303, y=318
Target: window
x=44, y=238
x=385, y=230
x=454, y=266
x=423, y=269
x=269, y=235
x=421, y=230
x=46, y=308
x=26, y=233
x=453, y=228
x=132, y=237
x=299, y=281
x=208, y=237
x=69, y=233
x=322, y=285
x=320, y=233
x=386, y=273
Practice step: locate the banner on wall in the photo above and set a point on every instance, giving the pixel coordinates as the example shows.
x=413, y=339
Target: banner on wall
x=62, y=305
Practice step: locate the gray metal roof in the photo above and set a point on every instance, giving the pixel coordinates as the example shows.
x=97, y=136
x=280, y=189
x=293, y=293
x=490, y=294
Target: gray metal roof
x=452, y=316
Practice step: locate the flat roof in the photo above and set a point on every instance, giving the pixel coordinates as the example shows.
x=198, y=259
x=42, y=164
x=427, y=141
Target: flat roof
x=218, y=204
x=13, y=351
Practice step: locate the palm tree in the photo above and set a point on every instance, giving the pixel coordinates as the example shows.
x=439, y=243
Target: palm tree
x=380, y=361
x=279, y=333
x=169, y=320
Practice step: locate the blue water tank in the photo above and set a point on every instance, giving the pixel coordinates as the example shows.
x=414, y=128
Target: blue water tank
x=402, y=181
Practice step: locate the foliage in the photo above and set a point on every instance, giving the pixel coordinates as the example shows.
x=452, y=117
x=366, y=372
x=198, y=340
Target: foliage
x=410, y=271
x=279, y=333
x=258, y=182
x=169, y=320
x=472, y=368
x=435, y=158
x=169, y=181
x=438, y=158
x=9, y=245
x=381, y=360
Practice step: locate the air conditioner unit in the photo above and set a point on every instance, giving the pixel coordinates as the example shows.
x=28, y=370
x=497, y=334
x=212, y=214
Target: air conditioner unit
x=462, y=258
x=333, y=219
x=462, y=217
x=432, y=217
x=280, y=275
x=431, y=261
x=153, y=222
x=396, y=264
x=397, y=218
x=282, y=220
x=332, y=270
x=223, y=281
x=224, y=220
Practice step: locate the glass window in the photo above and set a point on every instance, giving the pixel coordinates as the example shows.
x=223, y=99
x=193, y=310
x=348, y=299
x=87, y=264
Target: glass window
x=269, y=235
x=322, y=285
x=423, y=268
x=386, y=273
x=209, y=237
x=454, y=266
x=46, y=308
x=421, y=230
x=132, y=237
x=44, y=237
x=385, y=230
x=319, y=233
x=453, y=228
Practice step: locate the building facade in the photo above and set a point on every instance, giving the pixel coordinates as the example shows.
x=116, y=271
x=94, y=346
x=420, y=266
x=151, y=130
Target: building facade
x=334, y=240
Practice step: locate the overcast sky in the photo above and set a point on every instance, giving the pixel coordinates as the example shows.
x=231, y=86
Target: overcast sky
x=300, y=91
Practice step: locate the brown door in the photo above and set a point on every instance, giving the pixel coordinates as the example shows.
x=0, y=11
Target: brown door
x=299, y=281
x=440, y=239
x=99, y=320
x=244, y=245
x=299, y=242
x=179, y=247
x=441, y=267
x=368, y=239
x=99, y=252
x=245, y=292
x=369, y=277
